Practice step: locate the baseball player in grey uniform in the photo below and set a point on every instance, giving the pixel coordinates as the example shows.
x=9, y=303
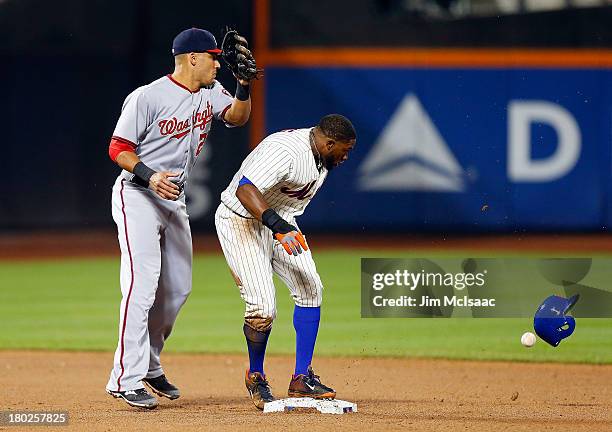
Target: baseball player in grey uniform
x=162, y=129
x=259, y=236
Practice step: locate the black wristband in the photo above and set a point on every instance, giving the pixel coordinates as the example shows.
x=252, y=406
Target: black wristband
x=143, y=172
x=242, y=91
x=277, y=224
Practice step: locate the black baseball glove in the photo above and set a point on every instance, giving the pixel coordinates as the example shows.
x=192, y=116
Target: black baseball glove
x=238, y=57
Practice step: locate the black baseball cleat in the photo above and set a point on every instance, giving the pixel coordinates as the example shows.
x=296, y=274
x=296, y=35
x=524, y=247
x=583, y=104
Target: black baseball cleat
x=258, y=388
x=139, y=398
x=309, y=385
x=162, y=387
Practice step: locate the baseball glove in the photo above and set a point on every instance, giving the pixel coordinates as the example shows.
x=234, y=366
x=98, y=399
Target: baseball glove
x=238, y=57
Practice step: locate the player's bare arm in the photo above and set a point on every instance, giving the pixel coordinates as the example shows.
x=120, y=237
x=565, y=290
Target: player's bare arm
x=159, y=182
x=240, y=111
x=252, y=199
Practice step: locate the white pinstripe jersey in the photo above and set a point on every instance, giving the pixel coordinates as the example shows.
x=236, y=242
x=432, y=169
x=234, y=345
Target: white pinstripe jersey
x=284, y=170
x=168, y=124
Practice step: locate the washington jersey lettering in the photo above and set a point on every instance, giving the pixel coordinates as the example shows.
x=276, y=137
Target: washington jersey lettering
x=168, y=124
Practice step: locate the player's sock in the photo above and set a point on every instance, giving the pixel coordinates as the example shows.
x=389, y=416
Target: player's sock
x=256, y=342
x=306, y=324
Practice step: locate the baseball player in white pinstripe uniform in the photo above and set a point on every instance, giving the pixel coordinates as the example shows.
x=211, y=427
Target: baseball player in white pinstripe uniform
x=161, y=131
x=259, y=235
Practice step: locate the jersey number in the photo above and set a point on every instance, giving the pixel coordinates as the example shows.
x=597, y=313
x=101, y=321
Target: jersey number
x=201, y=143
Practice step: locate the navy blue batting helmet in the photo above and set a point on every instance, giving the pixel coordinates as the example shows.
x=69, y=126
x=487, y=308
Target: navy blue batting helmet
x=551, y=322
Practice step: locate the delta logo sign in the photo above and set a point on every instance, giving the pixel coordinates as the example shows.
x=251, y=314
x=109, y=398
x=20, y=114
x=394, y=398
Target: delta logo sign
x=411, y=154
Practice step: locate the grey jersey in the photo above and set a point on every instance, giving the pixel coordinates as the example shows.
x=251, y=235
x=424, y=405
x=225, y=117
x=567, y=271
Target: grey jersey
x=168, y=124
x=284, y=170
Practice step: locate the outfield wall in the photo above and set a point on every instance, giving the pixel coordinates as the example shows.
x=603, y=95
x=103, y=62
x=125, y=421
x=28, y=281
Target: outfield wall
x=485, y=148
x=445, y=86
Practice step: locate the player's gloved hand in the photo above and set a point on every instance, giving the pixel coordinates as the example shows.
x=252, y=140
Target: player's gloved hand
x=161, y=184
x=293, y=242
x=236, y=53
x=289, y=237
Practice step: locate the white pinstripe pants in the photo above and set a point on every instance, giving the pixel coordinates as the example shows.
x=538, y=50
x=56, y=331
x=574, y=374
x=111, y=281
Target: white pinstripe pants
x=252, y=254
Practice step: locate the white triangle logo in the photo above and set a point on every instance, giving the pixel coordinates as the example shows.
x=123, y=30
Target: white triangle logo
x=410, y=154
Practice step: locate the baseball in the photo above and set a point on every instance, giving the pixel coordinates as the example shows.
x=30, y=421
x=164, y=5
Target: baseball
x=528, y=339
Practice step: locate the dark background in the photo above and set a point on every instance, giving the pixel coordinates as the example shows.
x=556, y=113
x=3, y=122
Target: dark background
x=66, y=68
x=374, y=23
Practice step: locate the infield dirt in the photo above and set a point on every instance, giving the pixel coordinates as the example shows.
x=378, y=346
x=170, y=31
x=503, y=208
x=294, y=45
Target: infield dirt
x=392, y=394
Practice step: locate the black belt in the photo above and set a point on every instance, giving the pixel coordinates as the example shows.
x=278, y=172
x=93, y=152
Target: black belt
x=238, y=214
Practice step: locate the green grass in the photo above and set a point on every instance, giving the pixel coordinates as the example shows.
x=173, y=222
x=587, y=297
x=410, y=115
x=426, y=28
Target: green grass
x=74, y=304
